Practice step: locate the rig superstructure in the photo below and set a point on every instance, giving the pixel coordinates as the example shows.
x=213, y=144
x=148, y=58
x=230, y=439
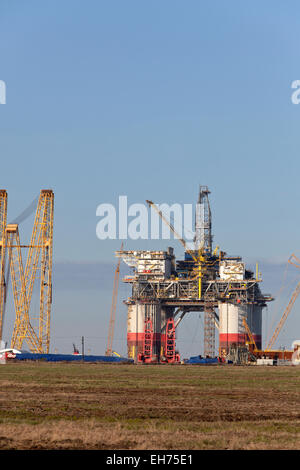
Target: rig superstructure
x=164, y=290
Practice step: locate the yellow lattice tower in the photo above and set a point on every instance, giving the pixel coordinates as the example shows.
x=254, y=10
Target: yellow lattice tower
x=39, y=259
x=22, y=327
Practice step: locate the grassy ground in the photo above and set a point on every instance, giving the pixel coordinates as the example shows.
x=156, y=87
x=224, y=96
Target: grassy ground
x=117, y=406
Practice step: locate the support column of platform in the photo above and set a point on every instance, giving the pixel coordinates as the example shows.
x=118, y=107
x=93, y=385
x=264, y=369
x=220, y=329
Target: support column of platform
x=137, y=315
x=254, y=320
x=231, y=330
x=209, y=332
x=166, y=313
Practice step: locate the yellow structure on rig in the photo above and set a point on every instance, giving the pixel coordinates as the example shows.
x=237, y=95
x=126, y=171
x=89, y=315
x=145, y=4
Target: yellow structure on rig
x=39, y=260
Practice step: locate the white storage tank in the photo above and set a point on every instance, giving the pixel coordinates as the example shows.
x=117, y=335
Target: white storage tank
x=231, y=328
x=136, y=316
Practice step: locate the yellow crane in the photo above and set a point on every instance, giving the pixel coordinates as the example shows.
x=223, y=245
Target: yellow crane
x=22, y=326
x=112, y=317
x=296, y=262
x=168, y=223
x=3, y=218
x=250, y=336
x=39, y=259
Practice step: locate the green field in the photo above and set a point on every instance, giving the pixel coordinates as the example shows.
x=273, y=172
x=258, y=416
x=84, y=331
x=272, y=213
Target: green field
x=118, y=406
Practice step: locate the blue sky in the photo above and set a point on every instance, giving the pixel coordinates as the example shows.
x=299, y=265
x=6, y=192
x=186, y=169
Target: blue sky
x=149, y=100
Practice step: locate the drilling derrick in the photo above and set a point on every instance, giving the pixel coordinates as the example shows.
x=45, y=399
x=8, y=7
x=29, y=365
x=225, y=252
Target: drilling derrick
x=203, y=242
x=203, y=236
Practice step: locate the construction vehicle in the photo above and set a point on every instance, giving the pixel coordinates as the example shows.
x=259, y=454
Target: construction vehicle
x=75, y=350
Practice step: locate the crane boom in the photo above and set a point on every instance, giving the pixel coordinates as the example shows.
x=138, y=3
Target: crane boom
x=284, y=317
x=176, y=234
x=203, y=248
x=249, y=333
x=34, y=251
x=46, y=228
x=112, y=318
x=295, y=262
x=41, y=240
x=3, y=220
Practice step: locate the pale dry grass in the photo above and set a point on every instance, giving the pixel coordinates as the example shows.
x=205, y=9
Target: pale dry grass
x=91, y=434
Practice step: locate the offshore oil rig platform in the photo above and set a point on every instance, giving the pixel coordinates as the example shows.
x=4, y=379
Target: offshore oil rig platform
x=164, y=290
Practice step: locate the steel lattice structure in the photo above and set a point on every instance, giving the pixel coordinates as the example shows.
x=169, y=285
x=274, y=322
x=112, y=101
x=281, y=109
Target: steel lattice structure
x=38, y=263
x=22, y=326
x=205, y=280
x=112, y=317
x=3, y=218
